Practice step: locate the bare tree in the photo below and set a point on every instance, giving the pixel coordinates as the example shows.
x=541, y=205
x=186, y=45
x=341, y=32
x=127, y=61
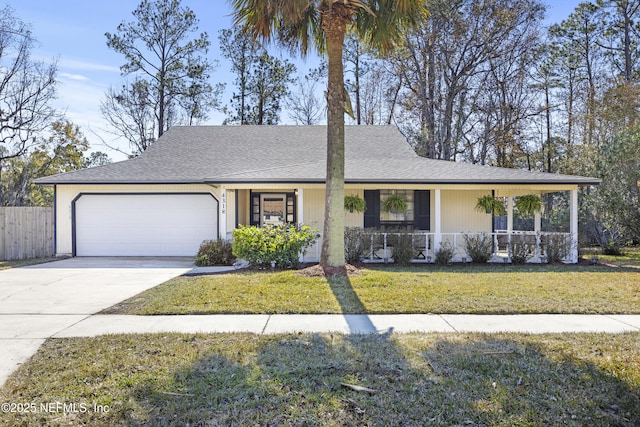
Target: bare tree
x=26, y=89
x=445, y=65
x=130, y=110
x=304, y=104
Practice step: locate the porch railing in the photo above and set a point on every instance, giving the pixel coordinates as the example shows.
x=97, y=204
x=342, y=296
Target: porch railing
x=426, y=244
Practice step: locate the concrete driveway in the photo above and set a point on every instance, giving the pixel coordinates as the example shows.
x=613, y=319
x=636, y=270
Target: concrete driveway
x=39, y=301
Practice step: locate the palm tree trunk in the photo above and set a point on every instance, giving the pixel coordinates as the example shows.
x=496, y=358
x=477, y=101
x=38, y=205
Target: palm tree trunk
x=334, y=23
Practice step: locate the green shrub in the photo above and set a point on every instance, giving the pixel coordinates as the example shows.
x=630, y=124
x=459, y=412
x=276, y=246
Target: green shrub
x=215, y=252
x=444, y=255
x=356, y=244
x=557, y=247
x=479, y=247
x=283, y=244
x=521, y=250
x=402, y=248
x=612, y=248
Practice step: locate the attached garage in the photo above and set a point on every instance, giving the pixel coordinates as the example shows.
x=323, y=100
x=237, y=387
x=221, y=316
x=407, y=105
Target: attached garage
x=142, y=224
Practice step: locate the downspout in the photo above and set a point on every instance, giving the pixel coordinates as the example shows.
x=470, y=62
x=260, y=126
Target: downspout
x=55, y=220
x=237, y=203
x=493, y=215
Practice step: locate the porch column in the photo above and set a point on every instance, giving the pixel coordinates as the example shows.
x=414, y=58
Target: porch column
x=509, y=214
x=573, y=228
x=223, y=213
x=300, y=207
x=509, y=226
x=437, y=222
x=537, y=228
x=300, y=219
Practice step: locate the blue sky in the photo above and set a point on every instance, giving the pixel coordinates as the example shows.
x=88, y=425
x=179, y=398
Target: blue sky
x=72, y=31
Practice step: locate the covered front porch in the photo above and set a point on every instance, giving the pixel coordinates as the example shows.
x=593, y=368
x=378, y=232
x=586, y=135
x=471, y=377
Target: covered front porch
x=532, y=247
x=435, y=217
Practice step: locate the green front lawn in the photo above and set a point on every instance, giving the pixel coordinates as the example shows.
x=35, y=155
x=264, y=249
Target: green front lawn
x=414, y=379
x=429, y=289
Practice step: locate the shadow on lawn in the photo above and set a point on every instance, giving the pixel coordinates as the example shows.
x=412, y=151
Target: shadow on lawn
x=421, y=379
x=415, y=380
x=350, y=303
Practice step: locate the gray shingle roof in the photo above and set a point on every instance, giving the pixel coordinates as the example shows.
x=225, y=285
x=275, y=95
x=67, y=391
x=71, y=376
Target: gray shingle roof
x=245, y=154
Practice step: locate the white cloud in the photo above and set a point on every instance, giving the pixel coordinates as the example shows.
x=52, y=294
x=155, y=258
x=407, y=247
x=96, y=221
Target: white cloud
x=75, y=64
x=77, y=77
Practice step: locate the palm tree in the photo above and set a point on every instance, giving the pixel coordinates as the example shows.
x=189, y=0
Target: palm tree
x=323, y=24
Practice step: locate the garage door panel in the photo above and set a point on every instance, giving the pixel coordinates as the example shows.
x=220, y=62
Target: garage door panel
x=144, y=225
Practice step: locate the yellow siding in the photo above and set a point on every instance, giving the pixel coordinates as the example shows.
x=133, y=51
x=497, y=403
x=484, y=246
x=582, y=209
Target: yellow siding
x=354, y=219
x=459, y=214
x=243, y=207
x=66, y=193
x=458, y=203
x=313, y=209
x=231, y=211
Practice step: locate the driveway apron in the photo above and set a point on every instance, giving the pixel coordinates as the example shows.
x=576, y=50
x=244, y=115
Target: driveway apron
x=39, y=301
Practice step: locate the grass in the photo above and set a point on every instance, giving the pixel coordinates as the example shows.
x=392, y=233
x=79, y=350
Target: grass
x=630, y=257
x=308, y=379
x=243, y=379
x=6, y=265
x=463, y=289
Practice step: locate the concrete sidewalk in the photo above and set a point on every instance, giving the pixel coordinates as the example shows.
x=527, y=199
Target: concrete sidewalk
x=350, y=323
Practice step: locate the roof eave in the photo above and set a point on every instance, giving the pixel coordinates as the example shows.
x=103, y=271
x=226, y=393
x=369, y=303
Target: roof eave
x=117, y=182
x=582, y=183
x=406, y=182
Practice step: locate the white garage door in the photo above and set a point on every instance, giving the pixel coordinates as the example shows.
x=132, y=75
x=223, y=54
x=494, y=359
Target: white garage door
x=144, y=225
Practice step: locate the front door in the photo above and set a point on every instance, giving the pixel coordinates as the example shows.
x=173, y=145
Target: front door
x=273, y=209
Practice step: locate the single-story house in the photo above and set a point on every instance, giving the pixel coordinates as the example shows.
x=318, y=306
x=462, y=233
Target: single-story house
x=200, y=182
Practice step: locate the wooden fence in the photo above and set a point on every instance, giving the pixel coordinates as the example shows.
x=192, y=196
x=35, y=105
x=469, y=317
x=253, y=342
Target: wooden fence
x=26, y=232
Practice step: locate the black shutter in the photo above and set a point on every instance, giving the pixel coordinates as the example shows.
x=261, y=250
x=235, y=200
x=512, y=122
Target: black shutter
x=372, y=214
x=290, y=216
x=255, y=209
x=422, y=218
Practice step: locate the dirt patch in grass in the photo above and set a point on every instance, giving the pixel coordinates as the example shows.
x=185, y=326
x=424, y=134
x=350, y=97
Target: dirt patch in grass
x=318, y=271
x=244, y=379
